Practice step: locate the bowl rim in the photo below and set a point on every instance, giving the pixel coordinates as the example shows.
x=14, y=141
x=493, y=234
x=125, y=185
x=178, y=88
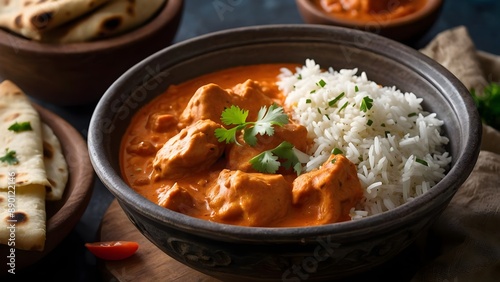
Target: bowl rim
x=430, y=7
x=166, y=14
x=117, y=186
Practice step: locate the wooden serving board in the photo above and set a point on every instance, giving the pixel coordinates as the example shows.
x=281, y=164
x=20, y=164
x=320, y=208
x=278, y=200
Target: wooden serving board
x=149, y=263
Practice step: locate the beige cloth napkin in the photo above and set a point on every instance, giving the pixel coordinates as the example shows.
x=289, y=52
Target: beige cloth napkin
x=455, y=50
x=469, y=228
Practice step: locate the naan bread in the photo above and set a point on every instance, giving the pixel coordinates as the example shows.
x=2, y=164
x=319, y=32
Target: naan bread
x=28, y=175
x=55, y=164
x=29, y=18
x=28, y=220
x=67, y=21
x=110, y=19
x=16, y=107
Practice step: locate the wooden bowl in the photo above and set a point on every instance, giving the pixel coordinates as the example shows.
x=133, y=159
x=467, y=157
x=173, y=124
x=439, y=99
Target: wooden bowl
x=407, y=28
x=79, y=73
x=62, y=215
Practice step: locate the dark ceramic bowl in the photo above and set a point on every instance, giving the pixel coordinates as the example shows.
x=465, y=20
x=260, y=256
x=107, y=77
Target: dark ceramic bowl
x=408, y=28
x=323, y=252
x=80, y=73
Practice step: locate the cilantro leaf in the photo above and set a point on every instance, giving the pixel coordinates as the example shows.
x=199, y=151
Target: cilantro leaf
x=9, y=157
x=285, y=152
x=265, y=162
x=366, y=104
x=234, y=115
x=268, y=161
x=264, y=124
x=19, y=127
x=274, y=115
x=226, y=135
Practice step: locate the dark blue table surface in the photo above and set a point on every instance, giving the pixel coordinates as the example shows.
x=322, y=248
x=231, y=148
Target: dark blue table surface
x=71, y=262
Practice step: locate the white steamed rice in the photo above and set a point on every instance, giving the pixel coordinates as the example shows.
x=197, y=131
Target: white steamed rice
x=397, y=147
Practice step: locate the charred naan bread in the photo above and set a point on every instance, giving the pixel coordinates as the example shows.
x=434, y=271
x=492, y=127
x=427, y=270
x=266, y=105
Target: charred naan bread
x=55, y=165
x=30, y=18
x=26, y=225
x=111, y=19
x=22, y=172
x=67, y=21
x=32, y=170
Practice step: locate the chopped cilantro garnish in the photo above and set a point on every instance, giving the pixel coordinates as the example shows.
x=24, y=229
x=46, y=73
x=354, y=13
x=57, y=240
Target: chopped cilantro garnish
x=9, y=157
x=334, y=101
x=19, y=127
x=321, y=83
x=412, y=114
x=264, y=124
x=422, y=162
x=343, y=106
x=337, y=151
x=356, y=89
x=366, y=104
x=308, y=101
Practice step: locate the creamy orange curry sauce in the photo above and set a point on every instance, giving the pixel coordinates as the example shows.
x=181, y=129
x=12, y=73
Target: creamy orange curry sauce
x=370, y=10
x=171, y=156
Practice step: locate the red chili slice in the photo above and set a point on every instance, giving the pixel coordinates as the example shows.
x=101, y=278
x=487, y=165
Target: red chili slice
x=113, y=250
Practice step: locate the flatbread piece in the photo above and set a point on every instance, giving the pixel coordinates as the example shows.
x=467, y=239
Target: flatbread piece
x=22, y=179
x=30, y=18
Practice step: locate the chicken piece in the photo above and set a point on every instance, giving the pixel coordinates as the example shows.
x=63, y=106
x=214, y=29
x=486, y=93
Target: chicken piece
x=249, y=199
x=141, y=148
x=193, y=149
x=328, y=193
x=238, y=155
x=177, y=199
x=211, y=100
x=250, y=95
x=161, y=122
x=208, y=102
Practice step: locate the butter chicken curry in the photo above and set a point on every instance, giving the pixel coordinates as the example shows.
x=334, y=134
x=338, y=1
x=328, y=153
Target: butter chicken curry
x=370, y=10
x=174, y=155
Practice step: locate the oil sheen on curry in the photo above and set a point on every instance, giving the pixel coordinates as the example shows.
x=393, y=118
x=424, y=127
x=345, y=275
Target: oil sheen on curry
x=173, y=156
